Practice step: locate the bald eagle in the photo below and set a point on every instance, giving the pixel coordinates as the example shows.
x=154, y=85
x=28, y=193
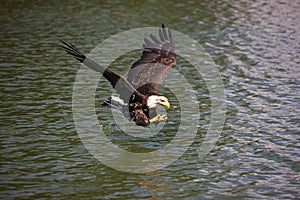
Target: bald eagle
x=140, y=91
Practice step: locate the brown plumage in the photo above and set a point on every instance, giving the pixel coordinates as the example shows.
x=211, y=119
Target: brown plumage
x=144, y=77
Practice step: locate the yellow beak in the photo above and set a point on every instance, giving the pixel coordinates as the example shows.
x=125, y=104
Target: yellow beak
x=166, y=104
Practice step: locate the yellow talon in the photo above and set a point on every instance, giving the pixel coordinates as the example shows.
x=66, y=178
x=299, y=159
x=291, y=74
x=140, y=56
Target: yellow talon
x=164, y=117
x=159, y=118
x=155, y=119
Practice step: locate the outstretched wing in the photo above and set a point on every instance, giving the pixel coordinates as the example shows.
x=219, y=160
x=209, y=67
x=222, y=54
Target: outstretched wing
x=147, y=74
x=119, y=83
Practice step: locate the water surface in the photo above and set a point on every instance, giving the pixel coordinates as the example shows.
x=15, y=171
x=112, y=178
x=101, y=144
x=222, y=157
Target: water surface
x=256, y=48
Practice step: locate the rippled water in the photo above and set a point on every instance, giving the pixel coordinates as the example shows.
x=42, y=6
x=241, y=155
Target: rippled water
x=256, y=48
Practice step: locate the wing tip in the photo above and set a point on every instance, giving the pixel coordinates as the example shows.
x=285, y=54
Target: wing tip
x=72, y=50
x=164, y=41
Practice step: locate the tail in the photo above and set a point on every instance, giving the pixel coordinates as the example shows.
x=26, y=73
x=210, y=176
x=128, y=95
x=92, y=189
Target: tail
x=115, y=103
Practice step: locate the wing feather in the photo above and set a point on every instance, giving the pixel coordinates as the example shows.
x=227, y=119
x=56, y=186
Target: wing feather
x=147, y=41
x=147, y=73
x=170, y=36
x=161, y=35
x=165, y=34
x=119, y=83
x=154, y=39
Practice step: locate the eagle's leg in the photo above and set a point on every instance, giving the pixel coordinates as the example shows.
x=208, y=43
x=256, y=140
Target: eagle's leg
x=159, y=118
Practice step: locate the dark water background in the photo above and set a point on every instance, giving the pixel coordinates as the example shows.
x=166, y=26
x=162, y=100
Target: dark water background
x=256, y=47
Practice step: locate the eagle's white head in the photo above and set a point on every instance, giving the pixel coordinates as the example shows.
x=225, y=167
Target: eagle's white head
x=153, y=101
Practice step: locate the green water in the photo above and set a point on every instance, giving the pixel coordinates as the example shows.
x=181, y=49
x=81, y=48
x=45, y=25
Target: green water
x=256, y=48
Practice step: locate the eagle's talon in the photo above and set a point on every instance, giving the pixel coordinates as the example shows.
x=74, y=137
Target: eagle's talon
x=159, y=118
x=164, y=117
x=155, y=119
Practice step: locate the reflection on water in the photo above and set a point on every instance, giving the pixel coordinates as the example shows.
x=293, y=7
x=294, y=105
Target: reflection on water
x=256, y=47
